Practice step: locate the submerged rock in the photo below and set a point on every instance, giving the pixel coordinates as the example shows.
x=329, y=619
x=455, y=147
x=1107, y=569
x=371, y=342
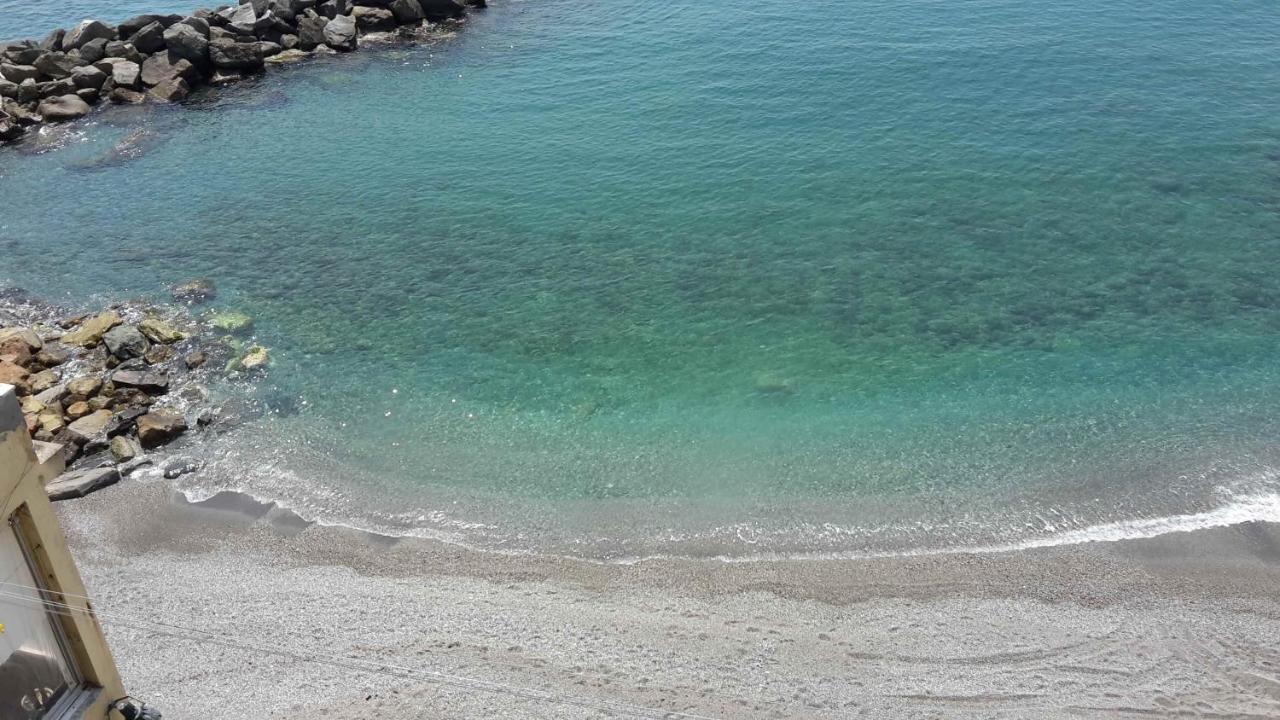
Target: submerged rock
x=230, y=321
x=194, y=291
x=64, y=107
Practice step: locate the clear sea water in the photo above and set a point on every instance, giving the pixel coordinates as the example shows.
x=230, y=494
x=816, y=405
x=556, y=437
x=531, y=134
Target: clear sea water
x=722, y=278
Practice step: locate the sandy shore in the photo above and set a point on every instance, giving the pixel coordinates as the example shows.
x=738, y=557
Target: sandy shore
x=1184, y=623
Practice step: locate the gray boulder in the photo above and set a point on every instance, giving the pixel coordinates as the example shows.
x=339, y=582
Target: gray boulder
x=88, y=76
x=28, y=91
x=125, y=341
x=407, y=11
x=196, y=23
x=70, y=485
x=149, y=39
x=124, y=51
x=187, y=42
x=57, y=65
x=20, y=53
x=63, y=107
x=126, y=96
x=144, y=380
x=243, y=19
x=10, y=130
x=53, y=41
x=85, y=31
x=8, y=89
x=311, y=32
x=171, y=90
x=18, y=73
x=373, y=19
x=441, y=9
x=130, y=27
x=231, y=55
x=164, y=67
x=126, y=74
x=333, y=8
x=340, y=33
x=93, y=51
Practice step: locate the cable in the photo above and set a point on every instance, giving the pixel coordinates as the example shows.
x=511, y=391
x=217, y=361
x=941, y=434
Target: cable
x=357, y=664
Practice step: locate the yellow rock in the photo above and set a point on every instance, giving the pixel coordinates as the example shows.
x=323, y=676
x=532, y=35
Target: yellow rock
x=91, y=330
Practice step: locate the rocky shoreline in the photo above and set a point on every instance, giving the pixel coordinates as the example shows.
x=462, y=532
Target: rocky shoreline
x=162, y=58
x=106, y=388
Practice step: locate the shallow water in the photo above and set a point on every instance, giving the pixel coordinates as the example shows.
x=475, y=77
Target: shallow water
x=726, y=279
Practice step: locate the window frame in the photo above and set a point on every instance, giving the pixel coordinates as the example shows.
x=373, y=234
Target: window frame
x=80, y=692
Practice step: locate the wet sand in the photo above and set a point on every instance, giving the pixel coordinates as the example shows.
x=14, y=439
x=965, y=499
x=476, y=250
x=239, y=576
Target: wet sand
x=1182, y=623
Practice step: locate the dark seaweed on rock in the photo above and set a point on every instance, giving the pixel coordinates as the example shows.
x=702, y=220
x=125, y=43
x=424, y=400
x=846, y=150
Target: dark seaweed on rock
x=163, y=58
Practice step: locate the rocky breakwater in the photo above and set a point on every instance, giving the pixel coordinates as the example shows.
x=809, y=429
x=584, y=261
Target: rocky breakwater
x=108, y=387
x=162, y=58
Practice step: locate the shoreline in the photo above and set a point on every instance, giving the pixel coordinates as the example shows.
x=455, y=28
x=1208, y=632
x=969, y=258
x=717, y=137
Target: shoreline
x=163, y=58
x=1135, y=627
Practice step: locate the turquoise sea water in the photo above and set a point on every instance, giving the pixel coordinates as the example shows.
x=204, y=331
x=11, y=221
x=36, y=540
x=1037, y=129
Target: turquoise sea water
x=724, y=278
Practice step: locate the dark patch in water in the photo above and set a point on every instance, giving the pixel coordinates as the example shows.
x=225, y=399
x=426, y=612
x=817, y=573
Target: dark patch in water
x=1169, y=186
x=131, y=147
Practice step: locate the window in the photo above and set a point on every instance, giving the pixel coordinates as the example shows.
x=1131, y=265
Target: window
x=37, y=678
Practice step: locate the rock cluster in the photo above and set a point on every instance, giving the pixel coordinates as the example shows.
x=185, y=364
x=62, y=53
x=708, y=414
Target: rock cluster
x=112, y=384
x=163, y=57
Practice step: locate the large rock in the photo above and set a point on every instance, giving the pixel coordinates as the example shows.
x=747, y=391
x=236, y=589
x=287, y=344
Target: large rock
x=149, y=39
x=231, y=55
x=12, y=373
x=88, y=76
x=243, y=19
x=10, y=130
x=28, y=337
x=197, y=23
x=125, y=96
x=85, y=386
x=159, y=427
x=53, y=41
x=130, y=27
x=91, y=330
x=407, y=11
x=63, y=107
x=93, y=51
x=373, y=19
x=171, y=90
x=56, y=65
x=333, y=8
x=70, y=485
x=165, y=67
x=441, y=9
x=159, y=331
x=194, y=291
x=187, y=42
x=311, y=32
x=84, y=32
x=18, y=73
x=90, y=428
x=340, y=33
x=126, y=74
x=145, y=380
x=125, y=341
x=124, y=50
x=123, y=448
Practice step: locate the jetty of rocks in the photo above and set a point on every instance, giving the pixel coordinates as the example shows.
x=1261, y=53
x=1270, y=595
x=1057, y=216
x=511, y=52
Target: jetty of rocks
x=162, y=58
